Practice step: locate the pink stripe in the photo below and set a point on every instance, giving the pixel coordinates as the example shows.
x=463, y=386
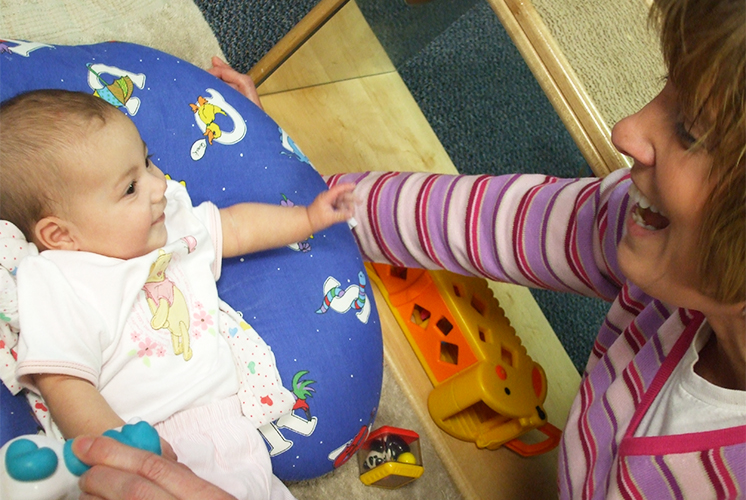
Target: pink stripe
x=682, y=443
x=628, y=303
x=603, y=226
x=627, y=486
x=373, y=204
x=719, y=474
x=518, y=232
x=673, y=358
x=587, y=440
x=632, y=381
x=571, y=243
x=472, y=222
x=598, y=349
x=634, y=337
x=421, y=215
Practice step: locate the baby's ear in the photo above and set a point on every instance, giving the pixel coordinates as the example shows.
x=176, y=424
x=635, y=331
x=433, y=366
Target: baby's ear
x=52, y=233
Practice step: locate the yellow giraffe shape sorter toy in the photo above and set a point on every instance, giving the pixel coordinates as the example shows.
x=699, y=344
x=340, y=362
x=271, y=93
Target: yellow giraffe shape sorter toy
x=487, y=389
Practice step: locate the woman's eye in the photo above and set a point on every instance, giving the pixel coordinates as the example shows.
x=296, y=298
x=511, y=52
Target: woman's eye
x=687, y=139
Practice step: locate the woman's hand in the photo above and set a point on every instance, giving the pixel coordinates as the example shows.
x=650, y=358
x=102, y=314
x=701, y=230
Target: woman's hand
x=239, y=81
x=121, y=472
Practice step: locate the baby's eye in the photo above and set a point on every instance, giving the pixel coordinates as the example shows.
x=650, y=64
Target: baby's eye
x=148, y=161
x=131, y=188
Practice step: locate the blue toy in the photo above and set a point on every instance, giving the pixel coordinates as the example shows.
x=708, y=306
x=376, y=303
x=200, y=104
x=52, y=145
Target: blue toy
x=308, y=301
x=36, y=467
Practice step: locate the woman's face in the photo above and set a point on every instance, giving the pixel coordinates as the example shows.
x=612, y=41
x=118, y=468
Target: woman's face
x=659, y=249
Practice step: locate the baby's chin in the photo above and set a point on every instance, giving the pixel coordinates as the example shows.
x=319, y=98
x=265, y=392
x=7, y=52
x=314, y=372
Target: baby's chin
x=153, y=245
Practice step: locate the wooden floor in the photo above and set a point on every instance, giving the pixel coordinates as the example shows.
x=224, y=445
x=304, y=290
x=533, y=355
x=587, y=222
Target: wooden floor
x=344, y=104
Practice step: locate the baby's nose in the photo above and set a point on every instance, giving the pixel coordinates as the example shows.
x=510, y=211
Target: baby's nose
x=159, y=190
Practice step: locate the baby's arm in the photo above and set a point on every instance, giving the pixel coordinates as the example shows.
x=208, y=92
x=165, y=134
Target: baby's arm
x=252, y=227
x=79, y=409
x=76, y=406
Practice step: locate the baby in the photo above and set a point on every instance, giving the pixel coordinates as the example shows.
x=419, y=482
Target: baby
x=126, y=268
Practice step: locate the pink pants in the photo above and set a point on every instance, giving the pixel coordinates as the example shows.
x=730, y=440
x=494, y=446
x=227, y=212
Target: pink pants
x=221, y=446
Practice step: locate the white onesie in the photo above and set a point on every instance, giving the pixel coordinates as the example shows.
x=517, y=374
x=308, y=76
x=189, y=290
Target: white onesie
x=149, y=332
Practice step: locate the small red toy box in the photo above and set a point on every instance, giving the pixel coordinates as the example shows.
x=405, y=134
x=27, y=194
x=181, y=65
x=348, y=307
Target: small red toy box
x=390, y=458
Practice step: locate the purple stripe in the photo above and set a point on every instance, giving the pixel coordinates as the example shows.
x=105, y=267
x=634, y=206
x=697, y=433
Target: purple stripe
x=586, y=247
x=438, y=221
x=402, y=254
x=669, y=477
x=489, y=256
x=612, y=443
x=617, y=212
x=648, y=357
x=658, y=346
x=385, y=214
x=735, y=458
x=564, y=472
x=545, y=250
x=652, y=477
x=601, y=421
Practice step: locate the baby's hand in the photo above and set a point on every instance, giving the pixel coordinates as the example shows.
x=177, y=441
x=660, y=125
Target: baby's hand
x=332, y=206
x=239, y=81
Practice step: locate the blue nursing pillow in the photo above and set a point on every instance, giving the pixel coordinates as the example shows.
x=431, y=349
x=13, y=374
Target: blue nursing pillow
x=310, y=302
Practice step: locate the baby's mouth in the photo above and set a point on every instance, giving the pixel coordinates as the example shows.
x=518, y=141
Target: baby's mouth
x=644, y=213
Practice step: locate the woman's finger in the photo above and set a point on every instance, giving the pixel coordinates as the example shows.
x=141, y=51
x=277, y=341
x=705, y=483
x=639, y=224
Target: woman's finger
x=120, y=471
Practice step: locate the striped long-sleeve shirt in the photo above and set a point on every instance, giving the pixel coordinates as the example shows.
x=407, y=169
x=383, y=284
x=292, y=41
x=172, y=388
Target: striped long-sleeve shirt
x=562, y=234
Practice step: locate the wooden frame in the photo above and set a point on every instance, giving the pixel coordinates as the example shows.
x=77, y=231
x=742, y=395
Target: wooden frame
x=297, y=36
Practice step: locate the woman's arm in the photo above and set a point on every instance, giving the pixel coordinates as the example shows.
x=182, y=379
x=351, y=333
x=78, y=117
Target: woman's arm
x=533, y=230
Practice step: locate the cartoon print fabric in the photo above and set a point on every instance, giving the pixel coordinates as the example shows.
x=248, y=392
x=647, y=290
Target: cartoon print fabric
x=225, y=149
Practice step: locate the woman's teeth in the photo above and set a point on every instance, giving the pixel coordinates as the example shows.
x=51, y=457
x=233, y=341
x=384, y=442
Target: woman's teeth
x=644, y=213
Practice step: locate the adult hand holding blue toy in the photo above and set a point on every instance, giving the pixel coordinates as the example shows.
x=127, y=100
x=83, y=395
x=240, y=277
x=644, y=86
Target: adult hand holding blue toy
x=127, y=465
x=119, y=472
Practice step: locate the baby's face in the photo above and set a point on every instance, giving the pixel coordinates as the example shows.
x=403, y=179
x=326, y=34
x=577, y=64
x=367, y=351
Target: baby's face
x=118, y=208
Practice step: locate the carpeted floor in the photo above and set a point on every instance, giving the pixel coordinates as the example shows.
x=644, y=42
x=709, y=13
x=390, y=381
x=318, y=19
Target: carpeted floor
x=247, y=30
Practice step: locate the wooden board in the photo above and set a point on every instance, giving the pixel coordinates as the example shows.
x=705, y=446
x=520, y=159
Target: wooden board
x=297, y=36
x=369, y=123
x=339, y=51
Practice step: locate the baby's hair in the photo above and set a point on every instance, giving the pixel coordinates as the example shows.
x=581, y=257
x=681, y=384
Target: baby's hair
x=704, y=47
x=39, y=134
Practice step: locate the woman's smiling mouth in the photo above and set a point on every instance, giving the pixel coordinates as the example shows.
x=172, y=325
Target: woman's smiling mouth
x=644, y=213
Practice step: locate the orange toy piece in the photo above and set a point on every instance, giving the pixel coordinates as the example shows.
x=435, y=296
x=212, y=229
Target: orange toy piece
x=487, y=389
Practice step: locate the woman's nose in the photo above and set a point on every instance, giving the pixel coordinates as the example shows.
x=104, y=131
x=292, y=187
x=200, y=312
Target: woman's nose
x=631, y=138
